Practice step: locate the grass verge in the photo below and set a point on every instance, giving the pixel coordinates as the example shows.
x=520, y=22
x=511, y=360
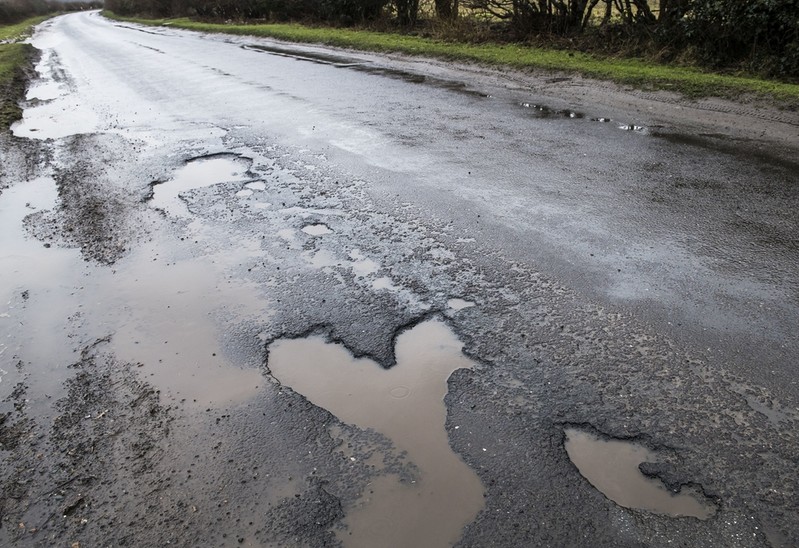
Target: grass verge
x=15, y=57
x=691, y=82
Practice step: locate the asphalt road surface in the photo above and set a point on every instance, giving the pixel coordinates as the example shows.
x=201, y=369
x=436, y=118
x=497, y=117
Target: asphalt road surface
x=262, y=294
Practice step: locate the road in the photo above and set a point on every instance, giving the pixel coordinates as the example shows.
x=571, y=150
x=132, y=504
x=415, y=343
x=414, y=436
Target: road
x=265, y=294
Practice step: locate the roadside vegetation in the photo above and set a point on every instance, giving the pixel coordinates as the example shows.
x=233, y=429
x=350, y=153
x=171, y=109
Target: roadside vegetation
x=17, y=19
x=14, y=58
x=696, y=47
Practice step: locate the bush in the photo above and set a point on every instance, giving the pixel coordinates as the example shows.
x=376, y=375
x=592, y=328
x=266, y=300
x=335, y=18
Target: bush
x=762, y=35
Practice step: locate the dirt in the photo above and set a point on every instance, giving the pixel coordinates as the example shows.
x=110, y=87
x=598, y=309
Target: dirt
x=101, y=443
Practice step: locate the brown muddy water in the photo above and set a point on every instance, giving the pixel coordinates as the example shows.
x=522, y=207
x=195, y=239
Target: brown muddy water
x=612, y=467
x=33, y=274
x=406, y=404
x=159, y=308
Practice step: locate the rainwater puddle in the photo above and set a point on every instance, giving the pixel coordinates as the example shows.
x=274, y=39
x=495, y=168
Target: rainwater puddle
x=633, y=127
x=612, y=467
x=459, y=304
x=361, y=265
x=256, y=185
x=544, y=111
x=384, y=283
x=405, y=403
x=37, y=289
x=168, y=326
x=317, y=230
x=197, y=174
x=44, y=91
x=57, y=113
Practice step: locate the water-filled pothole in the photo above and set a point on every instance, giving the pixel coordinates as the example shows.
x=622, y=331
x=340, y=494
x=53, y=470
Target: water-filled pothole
x=317, y=229
x=459, y=304
x=543, y=111
x=195, y=174
x=404, y=403
x=612, y=467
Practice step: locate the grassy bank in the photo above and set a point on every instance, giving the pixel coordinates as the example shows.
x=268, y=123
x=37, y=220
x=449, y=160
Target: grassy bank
x=14, y=58
x=689, y=81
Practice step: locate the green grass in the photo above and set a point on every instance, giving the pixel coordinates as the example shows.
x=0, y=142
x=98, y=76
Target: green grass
x=692, y=82
x=14, y=56
x=22, y=29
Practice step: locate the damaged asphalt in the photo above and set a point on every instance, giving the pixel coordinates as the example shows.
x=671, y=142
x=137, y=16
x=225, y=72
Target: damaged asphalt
x=633, y=270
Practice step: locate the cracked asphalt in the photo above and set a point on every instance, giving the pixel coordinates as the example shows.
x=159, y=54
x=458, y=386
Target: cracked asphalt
x=175, y=206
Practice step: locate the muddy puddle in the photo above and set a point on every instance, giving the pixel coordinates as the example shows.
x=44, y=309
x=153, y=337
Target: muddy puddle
x=170, y=320
x=160, y=308
x=611, y=466
x=34, y=276
x=199, y=173
x=405, y=403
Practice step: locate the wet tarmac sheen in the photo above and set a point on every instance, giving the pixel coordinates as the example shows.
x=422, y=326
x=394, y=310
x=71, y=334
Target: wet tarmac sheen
x=405, y=403
x=612, y=467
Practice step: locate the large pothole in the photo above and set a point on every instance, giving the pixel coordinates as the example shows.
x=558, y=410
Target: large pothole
x=406, y=404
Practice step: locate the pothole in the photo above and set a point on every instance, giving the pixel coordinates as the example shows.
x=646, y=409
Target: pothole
x=317, y=229
x=543, y=111
x=362, y=265
x=404, y=403
x=611, y=466
x=384, y=283
x=198, y=173
x=459, y=304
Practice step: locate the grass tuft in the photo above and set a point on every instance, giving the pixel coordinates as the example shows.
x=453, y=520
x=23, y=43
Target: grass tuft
x=14, y=58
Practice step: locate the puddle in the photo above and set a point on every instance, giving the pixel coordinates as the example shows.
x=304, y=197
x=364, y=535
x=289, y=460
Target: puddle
x=197, y=174
x=38, y=289
x=384, y=283
x=405, y=403
x=168, y=326
x=317, y=230
x=543, y=111
x=256, y=185
x=612, y=467
x=415, y=78
x=361, y=265
x=44, y=91
x=160, y=314
x=633, y=127
x=366, y=67
x=323, y=259
x=300, y=55
x=459, y=304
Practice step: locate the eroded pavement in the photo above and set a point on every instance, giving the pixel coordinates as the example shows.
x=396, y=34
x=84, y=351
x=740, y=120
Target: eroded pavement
x=263, y=295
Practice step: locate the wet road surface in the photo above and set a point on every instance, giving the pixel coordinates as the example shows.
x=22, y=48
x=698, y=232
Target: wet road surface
x=262, y=294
